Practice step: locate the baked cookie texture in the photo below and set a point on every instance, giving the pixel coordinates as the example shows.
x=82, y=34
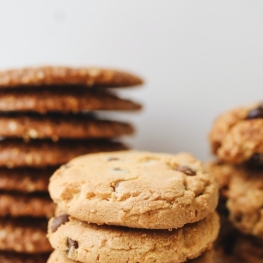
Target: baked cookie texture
x=47, y=118
x=135, y=189
x=63, y=101
x=86, y=76
x=237, y=135
x=86, y=242
x=24, y=235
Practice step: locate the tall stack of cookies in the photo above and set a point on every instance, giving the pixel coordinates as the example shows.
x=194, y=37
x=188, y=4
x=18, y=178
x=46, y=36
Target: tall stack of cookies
x=46, y=118
x=237, y=140
x=133, y=206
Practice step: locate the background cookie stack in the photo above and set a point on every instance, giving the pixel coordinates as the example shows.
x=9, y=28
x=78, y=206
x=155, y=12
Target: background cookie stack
x=45, y=121
x=133, y=206
x=237, y=140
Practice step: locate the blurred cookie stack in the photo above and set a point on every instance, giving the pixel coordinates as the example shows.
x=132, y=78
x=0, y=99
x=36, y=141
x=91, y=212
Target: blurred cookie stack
x=45, y=120
x=133, y=206
x=237, y=140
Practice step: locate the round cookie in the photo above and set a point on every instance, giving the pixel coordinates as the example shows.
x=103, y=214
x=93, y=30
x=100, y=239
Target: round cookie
x=25, y=179
x=60, y=127
x=24, y=235
x=88, y=243
x=63, y=101
x=35, y=205
x=59, y=257
x=135, y=189
x=237, y=136
x=245, y=202
x=85, y=76
x=42, y=153
x=11, y=257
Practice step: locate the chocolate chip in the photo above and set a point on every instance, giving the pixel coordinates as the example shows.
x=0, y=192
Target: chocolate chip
x=72, y=243
x=255, y=113
x=185, y=169
x=256, y=161
x=58, y=221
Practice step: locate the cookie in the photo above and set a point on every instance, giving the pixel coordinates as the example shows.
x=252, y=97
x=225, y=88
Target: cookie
x=65, y=101
x=25, y=179
x=135, y=189
x=60, y=126
x=86, y=242
x=84, y=76
x=222, y=173
x=24, y=235
x=16, y=204
x=42, y=153
x=12, y=257
x=237, y=136
x=60, y=257
x=245, y=202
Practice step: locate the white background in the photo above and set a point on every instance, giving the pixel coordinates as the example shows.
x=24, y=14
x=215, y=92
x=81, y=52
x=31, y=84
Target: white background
x=198, y=57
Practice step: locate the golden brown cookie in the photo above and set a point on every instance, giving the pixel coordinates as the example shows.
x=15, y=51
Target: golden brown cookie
x=86, y=76
x=41, y=153
x=237, y=136
x=24, y=235
x=245, y=200
x=25, y=179
x=88, y=243
x=60, y=257
x=12, y=257
x=135, y=189
x=65, y=101
x=60, y=127
x=35, y=205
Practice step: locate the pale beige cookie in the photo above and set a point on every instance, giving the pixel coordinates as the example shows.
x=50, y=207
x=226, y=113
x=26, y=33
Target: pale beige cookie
x=24, y=235
x=60, y=127
x=41, y=153
x=245, y=200
x=25, y=179
x=63, y=100
x=35, y=205
x=13, y=257
x=90, y=243
x=48, y=75
x=60, y=257
x=237, y=136
x=135, y=189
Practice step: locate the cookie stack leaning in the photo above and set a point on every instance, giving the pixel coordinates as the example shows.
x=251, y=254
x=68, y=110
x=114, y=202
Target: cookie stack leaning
x=46, y=119
x=132, y=206
x=237, y=140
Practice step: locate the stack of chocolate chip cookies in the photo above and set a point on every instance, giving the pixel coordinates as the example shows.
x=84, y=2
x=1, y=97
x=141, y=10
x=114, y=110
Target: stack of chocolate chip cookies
x=133, y=206
x=46, y=119
x=237, y=140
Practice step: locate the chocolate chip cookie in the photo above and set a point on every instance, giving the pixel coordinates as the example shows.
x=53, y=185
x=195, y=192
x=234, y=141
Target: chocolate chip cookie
x=135, y=189
x=237, y=136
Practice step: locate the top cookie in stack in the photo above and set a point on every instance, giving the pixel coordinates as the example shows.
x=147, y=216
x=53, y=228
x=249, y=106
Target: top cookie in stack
x=46, y=119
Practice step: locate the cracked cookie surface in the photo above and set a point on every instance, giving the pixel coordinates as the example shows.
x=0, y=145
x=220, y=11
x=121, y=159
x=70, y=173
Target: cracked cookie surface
x=237, y=135
x=60, y=257
x=135, y=189
x=88, y=243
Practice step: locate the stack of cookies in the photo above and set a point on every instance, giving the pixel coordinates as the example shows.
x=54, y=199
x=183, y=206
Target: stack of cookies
x=133, y=206
x=237, y=140
x=46, y=118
